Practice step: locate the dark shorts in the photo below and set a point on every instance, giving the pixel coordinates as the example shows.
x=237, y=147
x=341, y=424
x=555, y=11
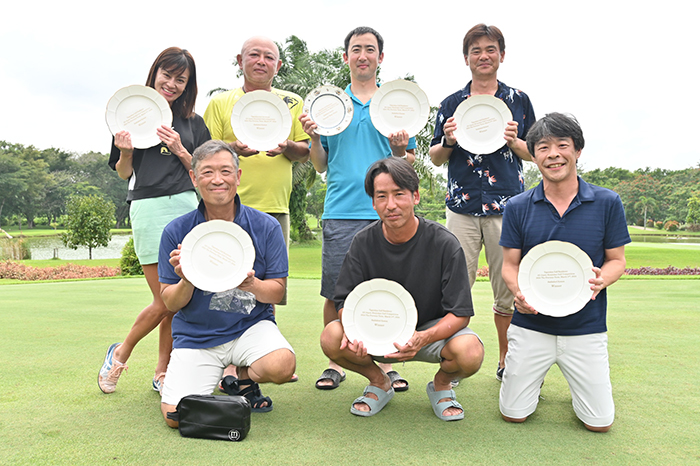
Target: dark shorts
x=337, y=236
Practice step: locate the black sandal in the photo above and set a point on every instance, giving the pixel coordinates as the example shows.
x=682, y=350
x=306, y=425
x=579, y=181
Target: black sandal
x=395, y=377
x=254, y=395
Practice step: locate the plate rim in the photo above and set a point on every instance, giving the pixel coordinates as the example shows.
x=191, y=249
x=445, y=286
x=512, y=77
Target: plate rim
x=481, y=99
x=380, y=284
x=549, y=247
x=141, y=91
x=217, y=226
x=267, y=96
x=399, y=84
x=346, y=101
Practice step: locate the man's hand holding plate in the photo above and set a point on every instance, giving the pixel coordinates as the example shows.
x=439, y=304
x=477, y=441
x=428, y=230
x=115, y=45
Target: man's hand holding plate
x=410, y=349
x=511, y=134
x=309, y=126
x=175, y=261
x=242, y=149
x=281, y=149
x=597, y=283
x=522, y=305
x=449, y=130
x=398, y=142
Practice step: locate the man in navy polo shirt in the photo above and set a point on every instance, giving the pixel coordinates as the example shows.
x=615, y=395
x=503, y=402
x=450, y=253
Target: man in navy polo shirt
x=237, y=326
x=562, y=207
x=479, y=185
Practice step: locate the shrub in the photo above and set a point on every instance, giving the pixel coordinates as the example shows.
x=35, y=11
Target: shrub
x=17, y=271
x=15, y=249
x=671, y=225
x=694, y=227
x=650, y=223
x=659, y=225
x=129, y=263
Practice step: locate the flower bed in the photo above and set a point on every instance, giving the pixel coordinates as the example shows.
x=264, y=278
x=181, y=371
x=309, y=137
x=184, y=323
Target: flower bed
x=670, y=270
x=18, y=271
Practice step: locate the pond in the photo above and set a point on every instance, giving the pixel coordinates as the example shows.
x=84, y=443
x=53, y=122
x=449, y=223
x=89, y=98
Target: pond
x=670, y=239
x=48, y=247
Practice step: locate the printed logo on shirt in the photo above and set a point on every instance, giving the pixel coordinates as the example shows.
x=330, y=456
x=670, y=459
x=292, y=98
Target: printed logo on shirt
x=164, y=150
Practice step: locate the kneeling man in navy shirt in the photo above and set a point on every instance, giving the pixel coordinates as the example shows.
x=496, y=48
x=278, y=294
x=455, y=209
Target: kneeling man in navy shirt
x=213, y=330
x=562, y=207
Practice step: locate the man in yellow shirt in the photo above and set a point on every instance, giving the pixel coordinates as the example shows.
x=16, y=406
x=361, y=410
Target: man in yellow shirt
x=267, y=183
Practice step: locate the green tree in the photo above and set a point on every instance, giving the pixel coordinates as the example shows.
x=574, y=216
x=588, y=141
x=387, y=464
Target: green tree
x=532, y=175
x=92, y=168
x=89, y=221
x=315, y=199
x=693, y=216
x=647, y=204
x=24, y=176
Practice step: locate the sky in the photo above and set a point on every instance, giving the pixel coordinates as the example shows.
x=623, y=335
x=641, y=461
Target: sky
x=626, y=71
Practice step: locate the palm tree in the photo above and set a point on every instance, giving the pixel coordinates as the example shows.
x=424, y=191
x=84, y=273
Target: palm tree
x=647, y=204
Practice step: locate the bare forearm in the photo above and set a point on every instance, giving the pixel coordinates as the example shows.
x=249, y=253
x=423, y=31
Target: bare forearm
x=186, y=159
x=318, y=155
x=270, y=290
x=176, y=296
x=439, y=155
x=445, y=328
x=297, y=151
x=519, y=148
x=510, y=269
x=125, y=165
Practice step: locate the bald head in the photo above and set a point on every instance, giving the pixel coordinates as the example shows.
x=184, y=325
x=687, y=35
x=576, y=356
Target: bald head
x=260, y=41
x=260, y=61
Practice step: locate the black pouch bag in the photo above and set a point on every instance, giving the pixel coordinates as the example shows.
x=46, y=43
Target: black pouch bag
x=213, y=417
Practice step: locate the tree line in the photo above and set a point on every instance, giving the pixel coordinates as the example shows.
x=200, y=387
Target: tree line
x=36, y=185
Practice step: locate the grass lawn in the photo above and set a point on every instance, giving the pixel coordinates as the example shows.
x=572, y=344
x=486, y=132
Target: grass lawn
x=53, y=337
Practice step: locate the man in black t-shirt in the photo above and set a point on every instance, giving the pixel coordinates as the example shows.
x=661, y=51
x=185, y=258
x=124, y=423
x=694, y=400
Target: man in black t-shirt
x=428, y=261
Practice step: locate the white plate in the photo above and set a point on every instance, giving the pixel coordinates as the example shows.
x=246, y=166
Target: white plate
x=399, y=105
x=217, y=255
x=378, y=313
x=481, y=123
x=140, y=110
x=261, y=120
x=554, y=276
x=330, y=108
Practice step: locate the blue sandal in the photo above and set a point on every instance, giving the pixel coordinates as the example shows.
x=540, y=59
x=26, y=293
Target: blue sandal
x=440, y=406
x=374, y=405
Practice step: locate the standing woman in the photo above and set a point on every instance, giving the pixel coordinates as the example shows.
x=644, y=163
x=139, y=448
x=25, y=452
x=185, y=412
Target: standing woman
x=160, y=190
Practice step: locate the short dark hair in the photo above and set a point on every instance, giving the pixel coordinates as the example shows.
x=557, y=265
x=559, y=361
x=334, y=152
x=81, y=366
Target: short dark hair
x=482, y=30
x=400, y=171
x=176, y=60
x=555, y=125
x=209, y=148
x=358, y=31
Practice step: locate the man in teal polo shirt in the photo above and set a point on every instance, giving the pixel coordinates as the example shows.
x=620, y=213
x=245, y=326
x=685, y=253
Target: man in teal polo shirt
x=345, y=157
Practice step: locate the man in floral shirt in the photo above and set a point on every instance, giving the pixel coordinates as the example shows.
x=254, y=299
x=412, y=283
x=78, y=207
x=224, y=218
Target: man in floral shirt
x=479, y=185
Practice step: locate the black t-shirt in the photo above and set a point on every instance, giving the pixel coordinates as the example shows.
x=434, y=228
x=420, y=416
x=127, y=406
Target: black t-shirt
x=430, y=266
x=158, y=172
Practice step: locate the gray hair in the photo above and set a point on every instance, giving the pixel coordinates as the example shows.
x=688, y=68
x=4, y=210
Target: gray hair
x=210, y=148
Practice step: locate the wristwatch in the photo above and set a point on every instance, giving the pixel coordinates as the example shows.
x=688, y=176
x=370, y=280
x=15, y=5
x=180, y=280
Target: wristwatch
x=446, y=145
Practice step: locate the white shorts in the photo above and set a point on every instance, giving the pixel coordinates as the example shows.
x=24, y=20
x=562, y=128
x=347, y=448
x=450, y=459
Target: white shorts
x=198, y=371
x=583, y=360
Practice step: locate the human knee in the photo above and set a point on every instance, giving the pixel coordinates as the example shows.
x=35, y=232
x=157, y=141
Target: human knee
x=597, y=429
x=513, y=419
x=467, y=351
x=166, y=409
x=284, y=367
x=331, y=337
